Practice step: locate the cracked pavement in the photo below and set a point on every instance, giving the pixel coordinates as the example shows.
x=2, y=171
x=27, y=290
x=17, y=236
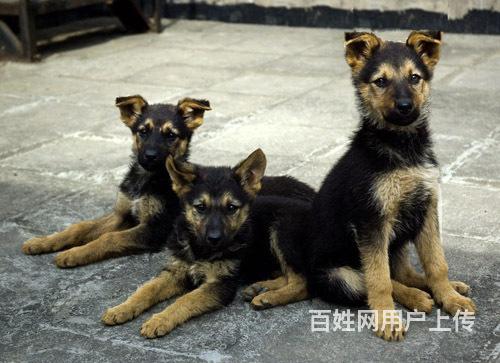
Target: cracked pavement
x=287, y=90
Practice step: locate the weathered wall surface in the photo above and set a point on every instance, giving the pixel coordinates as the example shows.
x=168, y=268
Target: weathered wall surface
x=459, y=16
x=454, y=9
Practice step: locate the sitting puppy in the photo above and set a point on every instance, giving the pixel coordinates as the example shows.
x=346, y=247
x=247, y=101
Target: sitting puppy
x=383, y=192
x=223, y=235
x=146, y=206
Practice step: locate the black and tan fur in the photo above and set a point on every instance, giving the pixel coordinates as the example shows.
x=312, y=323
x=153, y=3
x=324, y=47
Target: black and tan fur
x=146, y=206
x=383, y=193
x=226, y=234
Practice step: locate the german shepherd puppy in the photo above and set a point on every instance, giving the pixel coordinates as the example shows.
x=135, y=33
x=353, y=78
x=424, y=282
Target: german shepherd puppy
x=217, y=240
x=146, y=206
x=383, y=193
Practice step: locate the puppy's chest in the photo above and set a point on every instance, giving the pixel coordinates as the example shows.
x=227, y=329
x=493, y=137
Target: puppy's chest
x=141, y=208
x=405, y=189
x=199, y=272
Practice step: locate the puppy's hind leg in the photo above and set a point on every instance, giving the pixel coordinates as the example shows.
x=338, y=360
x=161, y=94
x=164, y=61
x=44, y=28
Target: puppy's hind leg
x=262, y=286
x=412, y=298
x=348, y=286
x=406, y=274
x=292, y=286
x=295, y=290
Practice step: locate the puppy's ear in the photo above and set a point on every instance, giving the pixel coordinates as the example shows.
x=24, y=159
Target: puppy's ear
x=250, y=172
x=192, y=111
x=182, y=175
x=427, y=44
x=359, y=47
x=131, y=108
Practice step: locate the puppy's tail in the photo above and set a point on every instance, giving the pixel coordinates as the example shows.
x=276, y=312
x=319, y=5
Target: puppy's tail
x=341, y=285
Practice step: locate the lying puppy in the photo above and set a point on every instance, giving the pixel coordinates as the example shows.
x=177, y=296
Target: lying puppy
x=146, y=206
x=383, y=193
x=217, y=241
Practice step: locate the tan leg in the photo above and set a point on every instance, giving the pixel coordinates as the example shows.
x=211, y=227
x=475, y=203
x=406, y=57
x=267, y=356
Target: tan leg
x=431, y=254
x=162, y=287
x=294, y=290
x=288, y=288
x=262, y=286
x=194, y=303
x=403, y=271
x=406, y=274
x=375, y=263
x=412, y=298
x=109, y=245
x=75, y=235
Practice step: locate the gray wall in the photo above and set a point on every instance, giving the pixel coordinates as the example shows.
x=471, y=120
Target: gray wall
x=455, y=9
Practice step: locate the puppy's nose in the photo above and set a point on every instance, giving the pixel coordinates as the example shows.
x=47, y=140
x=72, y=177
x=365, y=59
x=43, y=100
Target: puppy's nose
x=404, y=105
x=150, y=154
x=214, y=237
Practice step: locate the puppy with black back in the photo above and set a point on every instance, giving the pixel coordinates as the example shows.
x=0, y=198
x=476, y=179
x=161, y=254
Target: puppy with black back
x=226, y=235
x=383, y=193
x=146, y=206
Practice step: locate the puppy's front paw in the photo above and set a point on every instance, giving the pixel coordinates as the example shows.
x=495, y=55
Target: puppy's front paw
x=71, y=258
x=454, y=302
x=36, y=246
x=393, y=330
x=118, y=315
x=156, y=327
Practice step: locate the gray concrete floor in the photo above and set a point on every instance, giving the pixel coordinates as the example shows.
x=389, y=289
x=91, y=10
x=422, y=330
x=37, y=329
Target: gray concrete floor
x=287, y=90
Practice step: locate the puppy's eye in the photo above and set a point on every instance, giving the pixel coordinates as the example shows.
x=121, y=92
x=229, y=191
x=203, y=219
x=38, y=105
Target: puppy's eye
x=200, y=208
x=415, y=78
x=381, y=82
x=143, y=131
x=231, y=208
x=171, y=135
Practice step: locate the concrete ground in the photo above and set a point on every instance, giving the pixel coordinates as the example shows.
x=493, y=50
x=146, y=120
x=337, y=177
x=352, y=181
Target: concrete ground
x=63, y=150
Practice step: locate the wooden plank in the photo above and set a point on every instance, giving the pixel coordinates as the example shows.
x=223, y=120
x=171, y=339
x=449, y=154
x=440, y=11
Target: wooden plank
x=79, y=28
x=158, y=15
x=49, y=6
x=27, y=29
x=9, y=7
x=9, y=43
